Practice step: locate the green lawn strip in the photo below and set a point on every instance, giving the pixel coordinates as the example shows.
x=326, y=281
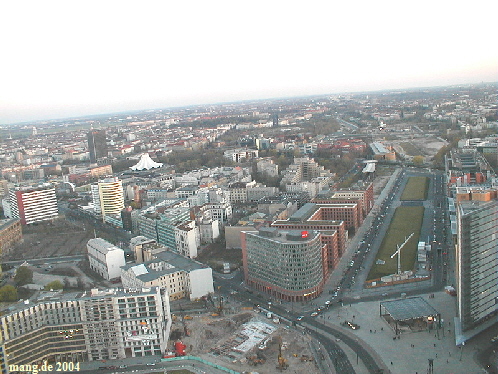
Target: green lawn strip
x=406, y=220
x=415, y=189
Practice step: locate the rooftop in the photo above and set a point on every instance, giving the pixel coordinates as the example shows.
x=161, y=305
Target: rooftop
x=411, y=308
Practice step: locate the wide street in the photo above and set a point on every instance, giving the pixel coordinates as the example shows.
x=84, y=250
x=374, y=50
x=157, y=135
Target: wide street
x=344, y=288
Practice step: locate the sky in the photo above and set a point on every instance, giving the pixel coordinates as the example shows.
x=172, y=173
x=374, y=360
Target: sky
x=69, y=58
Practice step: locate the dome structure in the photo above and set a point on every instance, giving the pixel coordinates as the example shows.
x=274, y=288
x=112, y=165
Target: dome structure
x=146, y=163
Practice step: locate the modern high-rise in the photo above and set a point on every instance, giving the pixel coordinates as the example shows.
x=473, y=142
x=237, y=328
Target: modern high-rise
x=94, y=325
x=476, y=268
x=97, y=145
x=33, y=204
x=108, y=197
x=286, y=264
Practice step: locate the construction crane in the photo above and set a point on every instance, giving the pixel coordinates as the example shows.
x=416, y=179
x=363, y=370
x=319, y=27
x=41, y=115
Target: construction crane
x=282, y=362
x=398, y=252
x=220, y=306
x=185, y=330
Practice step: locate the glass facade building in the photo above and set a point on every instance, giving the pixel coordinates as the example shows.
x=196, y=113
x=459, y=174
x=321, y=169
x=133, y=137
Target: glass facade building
x=286, y=264
x=476, y=267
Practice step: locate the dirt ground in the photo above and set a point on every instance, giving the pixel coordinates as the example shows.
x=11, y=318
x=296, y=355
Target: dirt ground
x=51, y=239
x=216, y=254
x=208, y=335
x=423, y=145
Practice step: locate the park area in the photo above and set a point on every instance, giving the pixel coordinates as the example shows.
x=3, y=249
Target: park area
x=415, y=189
x=406, y=220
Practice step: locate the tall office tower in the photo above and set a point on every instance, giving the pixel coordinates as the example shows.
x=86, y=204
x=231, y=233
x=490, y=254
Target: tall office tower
x=94, y=325
x=275, y=119
x=33, y=204
x=97, y=145
x=476, y=268
x=286, y=264
x=108, y=197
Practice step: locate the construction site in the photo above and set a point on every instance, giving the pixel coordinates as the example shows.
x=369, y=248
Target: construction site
x=246, y=341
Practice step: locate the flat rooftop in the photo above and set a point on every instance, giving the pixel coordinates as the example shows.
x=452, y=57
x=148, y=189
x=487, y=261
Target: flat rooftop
x=411, y=308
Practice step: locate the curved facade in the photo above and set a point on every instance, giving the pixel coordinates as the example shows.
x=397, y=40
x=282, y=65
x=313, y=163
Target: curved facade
x=108, y=197
x=289, y=265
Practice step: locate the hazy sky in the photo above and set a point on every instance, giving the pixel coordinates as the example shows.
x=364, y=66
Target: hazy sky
x=69, y=58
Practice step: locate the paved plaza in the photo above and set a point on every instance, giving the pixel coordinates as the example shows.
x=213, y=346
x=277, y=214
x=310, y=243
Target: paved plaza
x=410, y=353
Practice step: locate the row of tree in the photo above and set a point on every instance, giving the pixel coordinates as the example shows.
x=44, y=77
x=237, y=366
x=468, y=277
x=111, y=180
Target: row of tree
x=24, y=276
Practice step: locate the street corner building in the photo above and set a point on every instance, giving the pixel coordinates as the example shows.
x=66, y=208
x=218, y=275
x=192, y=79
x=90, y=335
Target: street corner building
x=286, y=264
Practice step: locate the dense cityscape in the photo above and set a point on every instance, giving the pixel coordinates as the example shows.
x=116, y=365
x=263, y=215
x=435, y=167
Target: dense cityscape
x=345, y=233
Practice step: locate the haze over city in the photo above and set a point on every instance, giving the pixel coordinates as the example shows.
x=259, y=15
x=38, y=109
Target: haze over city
x=64, y=59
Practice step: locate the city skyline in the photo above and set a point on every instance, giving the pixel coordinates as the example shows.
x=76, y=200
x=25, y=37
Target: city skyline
x=77, y=59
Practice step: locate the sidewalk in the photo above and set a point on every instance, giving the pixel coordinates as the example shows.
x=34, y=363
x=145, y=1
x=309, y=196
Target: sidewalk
x=411, y=353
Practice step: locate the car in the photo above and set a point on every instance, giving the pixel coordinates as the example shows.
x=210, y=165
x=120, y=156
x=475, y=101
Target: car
x=151, y=364
x=299, y=318
x=351, y=325
x=314, y=314
x=328, y=302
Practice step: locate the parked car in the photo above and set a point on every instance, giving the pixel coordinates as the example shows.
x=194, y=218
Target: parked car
x=351, y=325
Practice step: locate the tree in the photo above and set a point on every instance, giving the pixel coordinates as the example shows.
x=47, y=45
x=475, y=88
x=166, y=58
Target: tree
x=80, y=284
x=24, y=275
x=67, y=283
x=54, y=285
x=8, y=293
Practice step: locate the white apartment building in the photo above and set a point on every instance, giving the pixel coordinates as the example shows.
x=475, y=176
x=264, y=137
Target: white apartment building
x=187, y=239
x=267, y=167
x=182, y=277
x=209, y=230
x=257, y=193
x=96, y=325
x=241, y=155
x=33, y=204
x=105, y=259
x=221, y=211
x=186, y=192
x=108, y=197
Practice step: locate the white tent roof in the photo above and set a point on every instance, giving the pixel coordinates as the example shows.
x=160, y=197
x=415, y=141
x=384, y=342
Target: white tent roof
x=146, y=163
